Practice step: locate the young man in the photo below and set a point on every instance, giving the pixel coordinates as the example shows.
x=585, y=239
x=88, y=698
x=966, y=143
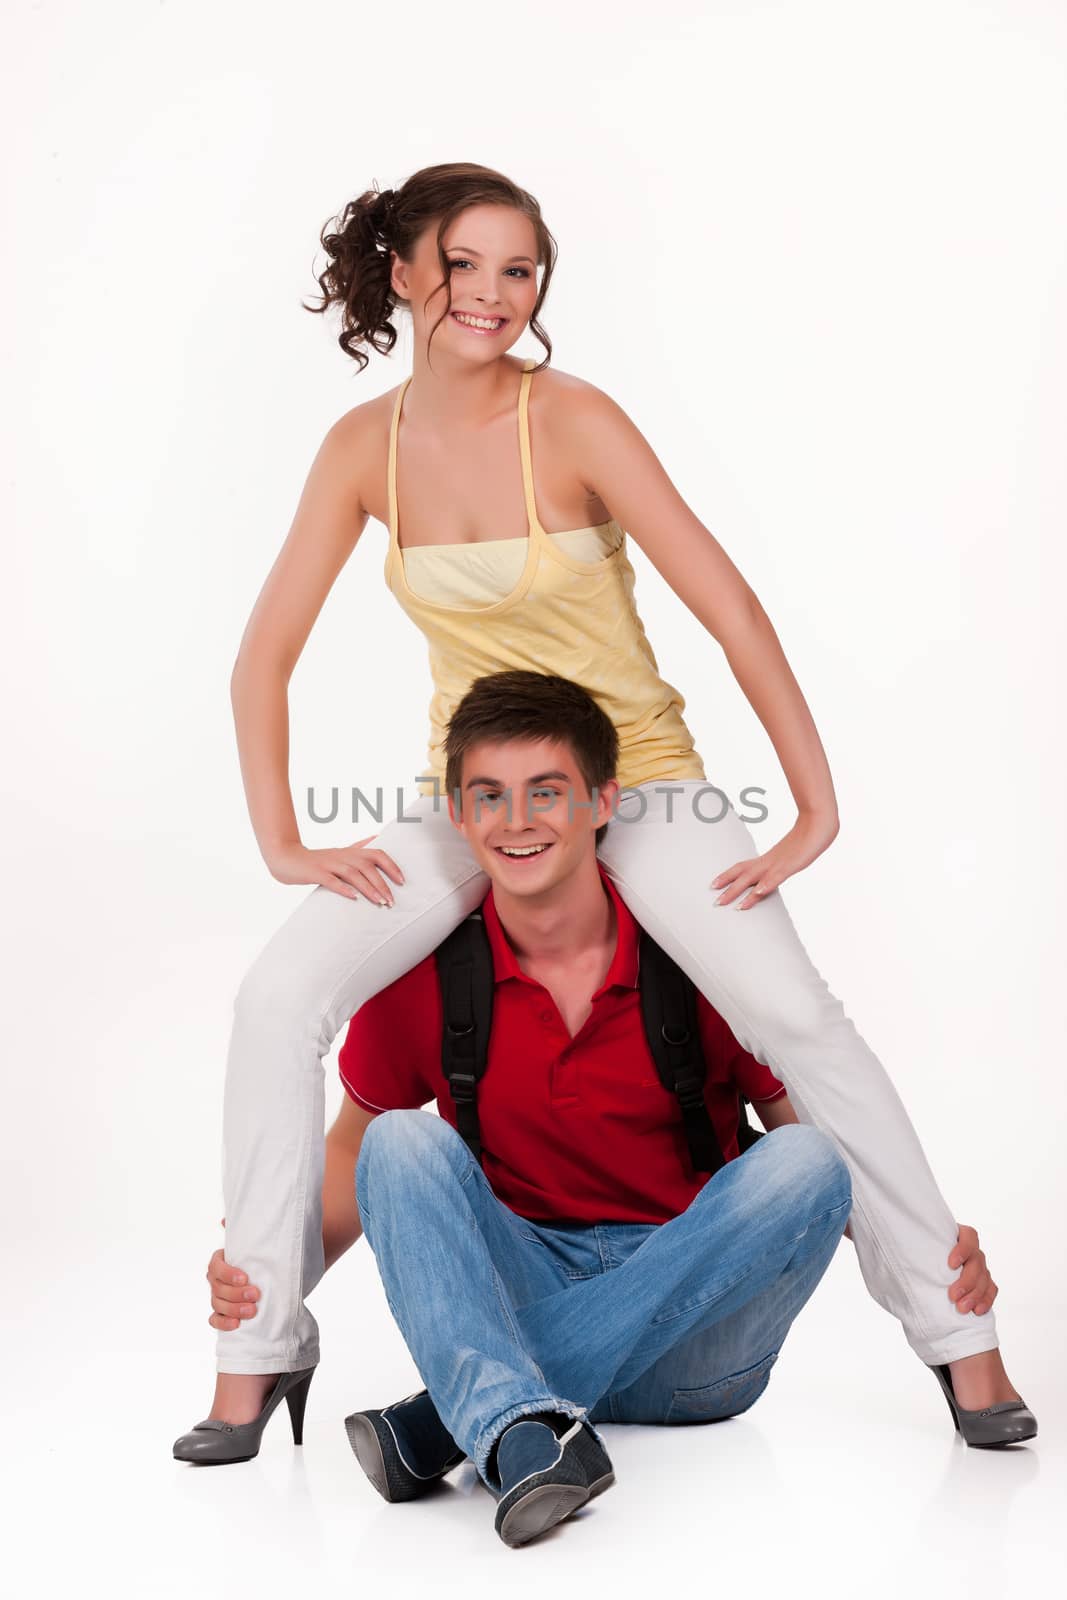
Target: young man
x=585, y=1271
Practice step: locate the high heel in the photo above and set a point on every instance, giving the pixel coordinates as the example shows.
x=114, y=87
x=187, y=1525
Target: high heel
x=213, y=1442
x=1007, y=1422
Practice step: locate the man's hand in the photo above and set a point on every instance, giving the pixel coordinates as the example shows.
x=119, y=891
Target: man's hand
x=974, y=1289
x=232, y=1296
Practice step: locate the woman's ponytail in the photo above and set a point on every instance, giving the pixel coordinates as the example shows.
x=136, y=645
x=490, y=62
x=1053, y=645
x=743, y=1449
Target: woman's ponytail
x=359, y=244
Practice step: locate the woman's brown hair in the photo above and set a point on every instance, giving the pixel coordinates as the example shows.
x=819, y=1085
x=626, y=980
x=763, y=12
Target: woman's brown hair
x=359, y=244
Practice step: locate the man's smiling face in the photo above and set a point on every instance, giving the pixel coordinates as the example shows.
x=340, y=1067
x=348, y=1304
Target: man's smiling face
x=527, y=813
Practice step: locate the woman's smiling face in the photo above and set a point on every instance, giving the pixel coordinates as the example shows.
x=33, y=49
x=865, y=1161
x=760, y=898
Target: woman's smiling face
x=492, y=255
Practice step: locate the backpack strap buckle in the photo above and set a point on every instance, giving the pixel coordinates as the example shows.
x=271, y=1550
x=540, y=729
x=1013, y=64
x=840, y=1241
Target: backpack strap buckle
x=462, y=1085
x=689, y=1088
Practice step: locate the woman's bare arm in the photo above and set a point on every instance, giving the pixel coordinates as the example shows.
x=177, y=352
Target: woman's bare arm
x=619, y=463
x=325, y=530
x=329, y=520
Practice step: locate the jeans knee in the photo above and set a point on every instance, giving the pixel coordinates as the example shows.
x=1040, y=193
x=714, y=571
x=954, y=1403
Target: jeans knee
x=404, y=1153
x=831, y=1171
x=380, y=1137
x=408, y=1138
x=807, y=1156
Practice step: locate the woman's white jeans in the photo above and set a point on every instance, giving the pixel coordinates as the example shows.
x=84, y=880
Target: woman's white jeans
x=662, y=851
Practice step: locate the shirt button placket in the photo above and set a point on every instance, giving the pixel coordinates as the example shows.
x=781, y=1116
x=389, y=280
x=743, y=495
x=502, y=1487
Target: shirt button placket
x=566, y=1074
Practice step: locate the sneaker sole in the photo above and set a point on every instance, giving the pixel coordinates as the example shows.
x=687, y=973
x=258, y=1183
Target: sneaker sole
x=541, y=1509
x=368, y=1452
x=545, y=1504
x=392, y=1479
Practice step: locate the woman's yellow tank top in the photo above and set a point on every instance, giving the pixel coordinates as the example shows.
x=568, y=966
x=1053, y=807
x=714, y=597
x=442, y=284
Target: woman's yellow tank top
x=545, y=609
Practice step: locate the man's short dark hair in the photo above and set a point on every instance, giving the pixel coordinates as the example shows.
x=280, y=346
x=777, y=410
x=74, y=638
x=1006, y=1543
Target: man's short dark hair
x=533, y=705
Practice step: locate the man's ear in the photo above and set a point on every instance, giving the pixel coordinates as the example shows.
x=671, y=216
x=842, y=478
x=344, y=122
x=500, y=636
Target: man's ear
x=607, y=800
x=452, y=814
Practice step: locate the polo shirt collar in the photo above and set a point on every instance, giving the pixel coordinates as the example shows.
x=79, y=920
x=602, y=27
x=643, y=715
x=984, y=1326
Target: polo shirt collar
x=623, y=970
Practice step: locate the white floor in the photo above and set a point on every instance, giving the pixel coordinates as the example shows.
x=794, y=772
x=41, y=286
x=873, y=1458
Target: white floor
x=846, y=1478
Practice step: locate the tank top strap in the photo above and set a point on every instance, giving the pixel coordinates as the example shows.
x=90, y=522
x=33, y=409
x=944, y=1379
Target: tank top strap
x=394, y=427
x=535, y=532
x=535, y=529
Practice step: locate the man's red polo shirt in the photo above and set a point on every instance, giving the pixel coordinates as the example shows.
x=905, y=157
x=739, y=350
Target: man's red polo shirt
x=572, y=1130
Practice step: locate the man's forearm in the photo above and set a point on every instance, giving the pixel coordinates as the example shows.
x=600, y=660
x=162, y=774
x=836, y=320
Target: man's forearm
x=341, y=1225
x=775, y=1113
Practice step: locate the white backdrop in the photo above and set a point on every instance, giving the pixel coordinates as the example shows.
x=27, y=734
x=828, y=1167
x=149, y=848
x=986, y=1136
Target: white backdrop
x=817, y=252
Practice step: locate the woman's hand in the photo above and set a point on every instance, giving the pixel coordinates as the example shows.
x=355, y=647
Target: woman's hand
x=232, y=1296
x=350, y=871
x=761, y=875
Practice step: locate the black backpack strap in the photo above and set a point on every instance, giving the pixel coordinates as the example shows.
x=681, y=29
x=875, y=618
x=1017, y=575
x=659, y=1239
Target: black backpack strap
x=672, y=1027
x=465, y=973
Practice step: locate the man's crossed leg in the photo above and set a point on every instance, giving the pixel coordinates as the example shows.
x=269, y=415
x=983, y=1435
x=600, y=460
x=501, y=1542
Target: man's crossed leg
x=508, y=1319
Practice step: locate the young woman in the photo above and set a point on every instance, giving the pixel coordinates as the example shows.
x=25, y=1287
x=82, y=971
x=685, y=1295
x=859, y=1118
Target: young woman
x=473, y=464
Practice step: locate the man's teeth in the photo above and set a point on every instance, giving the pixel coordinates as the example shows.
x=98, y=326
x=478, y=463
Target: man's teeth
x=523, y=850
x=478, y=322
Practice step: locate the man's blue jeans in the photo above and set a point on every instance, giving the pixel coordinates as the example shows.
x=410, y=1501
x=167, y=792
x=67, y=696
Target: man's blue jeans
x=672, y=1322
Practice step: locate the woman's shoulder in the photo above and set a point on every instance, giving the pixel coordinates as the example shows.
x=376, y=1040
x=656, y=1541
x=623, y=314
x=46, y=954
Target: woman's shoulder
x=367, y=420
x=361, y=439
x=565, y=398
x=566, y=387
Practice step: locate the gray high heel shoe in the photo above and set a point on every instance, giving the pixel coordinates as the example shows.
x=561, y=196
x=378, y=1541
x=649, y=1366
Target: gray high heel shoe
x=211, y=1443
x=1007, y=1422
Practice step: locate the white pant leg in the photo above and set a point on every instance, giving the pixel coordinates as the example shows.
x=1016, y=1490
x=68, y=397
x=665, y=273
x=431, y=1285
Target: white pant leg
x=329, y=957
x=754, y=970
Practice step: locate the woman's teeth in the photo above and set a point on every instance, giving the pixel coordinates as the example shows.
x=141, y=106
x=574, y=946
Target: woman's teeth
x=480, y=324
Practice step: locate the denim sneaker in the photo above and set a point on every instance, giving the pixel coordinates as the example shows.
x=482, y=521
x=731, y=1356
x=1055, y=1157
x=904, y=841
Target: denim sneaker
x=547, y=1466
x=405, y=1448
